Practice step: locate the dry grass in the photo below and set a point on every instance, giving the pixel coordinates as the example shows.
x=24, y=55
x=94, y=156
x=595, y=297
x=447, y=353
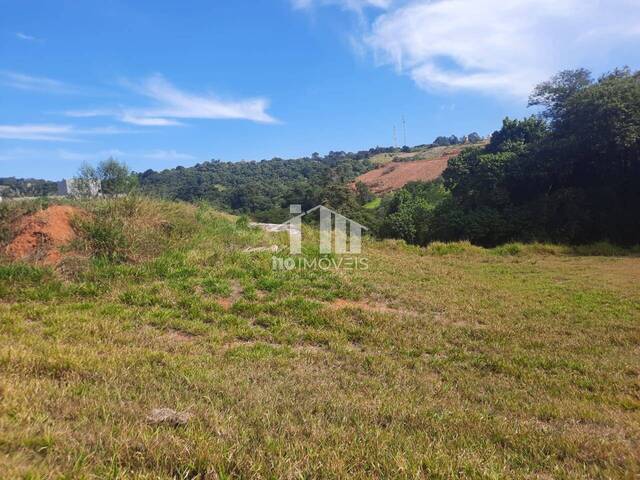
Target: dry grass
x=447, y=362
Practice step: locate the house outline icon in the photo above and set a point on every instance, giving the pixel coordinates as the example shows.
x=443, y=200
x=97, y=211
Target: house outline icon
x=342, y=242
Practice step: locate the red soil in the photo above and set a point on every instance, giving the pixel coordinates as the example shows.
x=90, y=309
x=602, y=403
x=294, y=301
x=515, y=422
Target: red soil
x=396, y=175
x=40, y=236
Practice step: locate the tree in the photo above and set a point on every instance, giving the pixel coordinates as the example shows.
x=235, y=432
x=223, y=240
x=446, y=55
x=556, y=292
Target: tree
x=408, y=213
x=442, y=141
x=87, y=182
x=570, y=175
x=115, y=177
x=516, y=134
x=364, y=193
x=110, y=177
x=474, y=138
x=554, y=94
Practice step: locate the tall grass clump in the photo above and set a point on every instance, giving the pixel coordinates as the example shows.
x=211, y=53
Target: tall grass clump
x=133, y=228
x=452, y=248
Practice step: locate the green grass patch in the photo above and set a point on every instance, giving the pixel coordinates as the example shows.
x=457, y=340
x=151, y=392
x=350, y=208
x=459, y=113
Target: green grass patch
x=446, y=361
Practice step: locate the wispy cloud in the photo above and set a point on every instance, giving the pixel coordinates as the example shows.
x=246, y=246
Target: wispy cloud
x=157, y=155
x=170, y=105
x=28, y=38
x=136, y=158
x=54, y=132
x=175, y=103
x=125, y=116
x=36, y=84
x=57, y=133
x=493, y=46
x=355, y=5
x=496, y=46
x=148, y=121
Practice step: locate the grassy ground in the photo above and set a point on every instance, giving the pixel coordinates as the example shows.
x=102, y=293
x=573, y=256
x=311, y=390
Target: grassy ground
x=445, y=362
x=373, y=204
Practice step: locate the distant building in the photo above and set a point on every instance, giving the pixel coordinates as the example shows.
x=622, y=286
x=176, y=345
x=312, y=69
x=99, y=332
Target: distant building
x=70, y=187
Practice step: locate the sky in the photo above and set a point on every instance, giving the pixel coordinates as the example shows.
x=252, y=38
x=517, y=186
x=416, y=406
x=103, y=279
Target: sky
x=162, y=83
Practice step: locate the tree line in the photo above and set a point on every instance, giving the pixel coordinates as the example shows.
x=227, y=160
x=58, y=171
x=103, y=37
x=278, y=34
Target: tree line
x=568, y=175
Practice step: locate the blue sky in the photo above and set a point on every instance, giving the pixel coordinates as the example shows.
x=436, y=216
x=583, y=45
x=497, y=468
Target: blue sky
x=164, y=83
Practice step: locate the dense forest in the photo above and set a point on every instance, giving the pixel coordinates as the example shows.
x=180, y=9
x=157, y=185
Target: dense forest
x=570, y=174
x=12, y=187
x=264, y=188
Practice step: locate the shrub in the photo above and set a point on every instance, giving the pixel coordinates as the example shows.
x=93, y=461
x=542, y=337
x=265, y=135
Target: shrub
x=104, y=237
x=134, y=228
x=508, y=249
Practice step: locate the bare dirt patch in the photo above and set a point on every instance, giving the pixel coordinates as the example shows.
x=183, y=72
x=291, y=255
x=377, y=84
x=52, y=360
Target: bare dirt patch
x=234, y=296
x=39, y=236
x=177, y=336
x=396, y=175
x=340, y=304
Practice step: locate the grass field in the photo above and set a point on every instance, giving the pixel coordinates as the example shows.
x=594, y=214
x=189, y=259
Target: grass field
x=446, y=362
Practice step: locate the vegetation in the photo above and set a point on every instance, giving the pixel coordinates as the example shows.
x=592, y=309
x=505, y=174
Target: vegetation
x=454, y=140
x=408, y=214
x=266, y=188
x=132, y=229
x=445, y=362
x=113, y=177
x=570, y=175
x=12, y=187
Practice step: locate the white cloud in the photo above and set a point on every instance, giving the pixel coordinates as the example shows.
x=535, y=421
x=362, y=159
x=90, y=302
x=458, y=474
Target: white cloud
x=170, y=104
x=35, y=84
x=174, y=103
x=493, y=46
x=24, y=36
x=54, y=132
x=57, y=133
x=356, y=5
x=89, y=113
x=148, y=121
x=158, y=155
x=165, y=157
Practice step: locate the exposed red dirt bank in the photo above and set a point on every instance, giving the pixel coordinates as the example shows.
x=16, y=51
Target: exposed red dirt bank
x=396, y=175
x=40, y=236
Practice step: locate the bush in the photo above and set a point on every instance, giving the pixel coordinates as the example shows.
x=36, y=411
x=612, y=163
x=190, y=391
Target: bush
x=104, y=237
x=134, y=228
x=509, y=249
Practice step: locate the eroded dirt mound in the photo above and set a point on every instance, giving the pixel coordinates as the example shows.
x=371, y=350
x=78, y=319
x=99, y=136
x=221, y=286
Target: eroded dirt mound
x=39, y=236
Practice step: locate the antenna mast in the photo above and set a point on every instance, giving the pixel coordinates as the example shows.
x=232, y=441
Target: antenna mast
x=395, y=138
x=404, y=131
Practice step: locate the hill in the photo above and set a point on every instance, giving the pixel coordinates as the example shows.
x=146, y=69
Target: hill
x=159, y=347
x=394, y=170
x=264, y=188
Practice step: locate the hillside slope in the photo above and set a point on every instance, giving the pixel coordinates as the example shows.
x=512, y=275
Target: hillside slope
x=394, y=171
x=444, y=362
